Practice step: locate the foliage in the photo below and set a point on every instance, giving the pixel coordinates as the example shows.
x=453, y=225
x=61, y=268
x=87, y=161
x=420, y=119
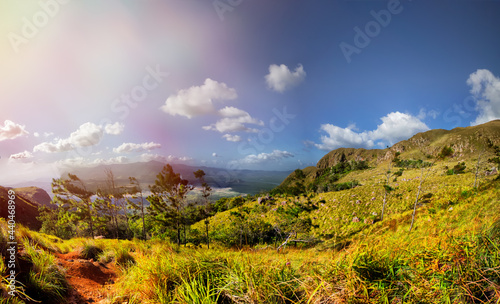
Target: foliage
x=445, y=152
x=457, y=169
x=411, y=164
x=73, y=199
x=168, y=199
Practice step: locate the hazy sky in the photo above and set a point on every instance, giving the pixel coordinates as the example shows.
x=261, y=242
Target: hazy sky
x=254, y=84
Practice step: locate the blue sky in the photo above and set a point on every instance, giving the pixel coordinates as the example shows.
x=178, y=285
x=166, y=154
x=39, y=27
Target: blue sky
x=235, y=84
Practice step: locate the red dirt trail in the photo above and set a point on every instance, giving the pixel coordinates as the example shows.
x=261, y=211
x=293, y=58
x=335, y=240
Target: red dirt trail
x=89, y=281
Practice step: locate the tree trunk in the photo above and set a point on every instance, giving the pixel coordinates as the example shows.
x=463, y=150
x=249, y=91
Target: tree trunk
x=208, y=240
x=416, y=200
x=477, y=168
x=91, y=224
x=143, y=222
x=383, y=206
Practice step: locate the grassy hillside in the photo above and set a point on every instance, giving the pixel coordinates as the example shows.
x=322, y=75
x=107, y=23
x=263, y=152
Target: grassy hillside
x=320, y=246
x=451, y=256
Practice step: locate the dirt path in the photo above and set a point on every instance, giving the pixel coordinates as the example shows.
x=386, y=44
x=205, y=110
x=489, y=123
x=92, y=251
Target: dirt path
x=89, y=281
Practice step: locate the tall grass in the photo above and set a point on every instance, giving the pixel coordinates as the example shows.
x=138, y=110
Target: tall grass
x=45, y=279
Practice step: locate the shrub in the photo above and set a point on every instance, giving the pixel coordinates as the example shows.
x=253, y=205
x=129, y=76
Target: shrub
x=457, y=169
x=90, y=251
x=123, y=258
x=445, y=152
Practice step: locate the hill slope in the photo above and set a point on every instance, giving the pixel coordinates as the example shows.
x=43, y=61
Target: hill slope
x=467, y=143
x=26, y=209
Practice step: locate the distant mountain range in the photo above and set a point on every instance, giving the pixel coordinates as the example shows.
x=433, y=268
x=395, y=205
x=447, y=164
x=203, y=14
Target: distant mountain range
x=241, y=181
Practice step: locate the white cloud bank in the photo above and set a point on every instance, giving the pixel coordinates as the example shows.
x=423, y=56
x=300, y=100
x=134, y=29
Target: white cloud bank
x=131, y=147
x=198, y=100
x=21, y=155
x=164, y=159
x=88, y=134
x=234, y=120
x=11, y=130
x=396, y=126
x=280, y=78
x=261, y=158
x=485, y=87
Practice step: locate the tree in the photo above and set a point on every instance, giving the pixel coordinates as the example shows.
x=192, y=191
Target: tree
x=136, y=189
x=419, y=190
x=387, y=190
x=167, y=200
x=72, y=195
x=206, y=191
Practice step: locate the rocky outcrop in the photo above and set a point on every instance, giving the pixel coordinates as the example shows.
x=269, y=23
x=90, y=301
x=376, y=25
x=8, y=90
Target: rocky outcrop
x=35, y=195
x=26, y=211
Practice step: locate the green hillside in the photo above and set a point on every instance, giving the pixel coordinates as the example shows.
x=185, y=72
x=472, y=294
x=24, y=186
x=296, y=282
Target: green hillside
x=415, y=223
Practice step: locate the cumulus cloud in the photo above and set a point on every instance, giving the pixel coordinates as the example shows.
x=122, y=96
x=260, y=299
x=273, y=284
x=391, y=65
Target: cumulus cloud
x=21, y=155
x=280, y=78
x=396, y=126
x=58, y=145
x=233, y=138
x=88, y=134
x=114, y=129
x=131, y=147
x=215, y=155
x=111, y=161
x=198, y=100
x=11, y=130
x=485, y=87
x=164, y=159
x=234, y=120
x=276, y=155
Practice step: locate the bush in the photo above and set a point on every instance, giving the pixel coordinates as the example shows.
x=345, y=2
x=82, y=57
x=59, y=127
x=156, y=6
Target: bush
x=90, y=251
x=457, y=169
x=123, y=258
x=445, y=152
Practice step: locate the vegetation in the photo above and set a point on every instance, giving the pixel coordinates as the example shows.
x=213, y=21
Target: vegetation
x=351, y=232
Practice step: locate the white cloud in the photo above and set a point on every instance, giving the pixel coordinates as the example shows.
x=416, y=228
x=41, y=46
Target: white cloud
x=111, y=161
x=58, y=145
x=164, y=159
x=280, y=78
x=114, y=129
x=88, y=134
x=276, y=155
x=36, y=134
x=198, y=100
x=131, y=147
x=233, y=138
x=395, y=127
x=485, y=87
x=423, y=114
x=215, y=155
x=21, y=155
x=11, y=130
x=343, y=137
x=234, y=121
x=232, y=112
